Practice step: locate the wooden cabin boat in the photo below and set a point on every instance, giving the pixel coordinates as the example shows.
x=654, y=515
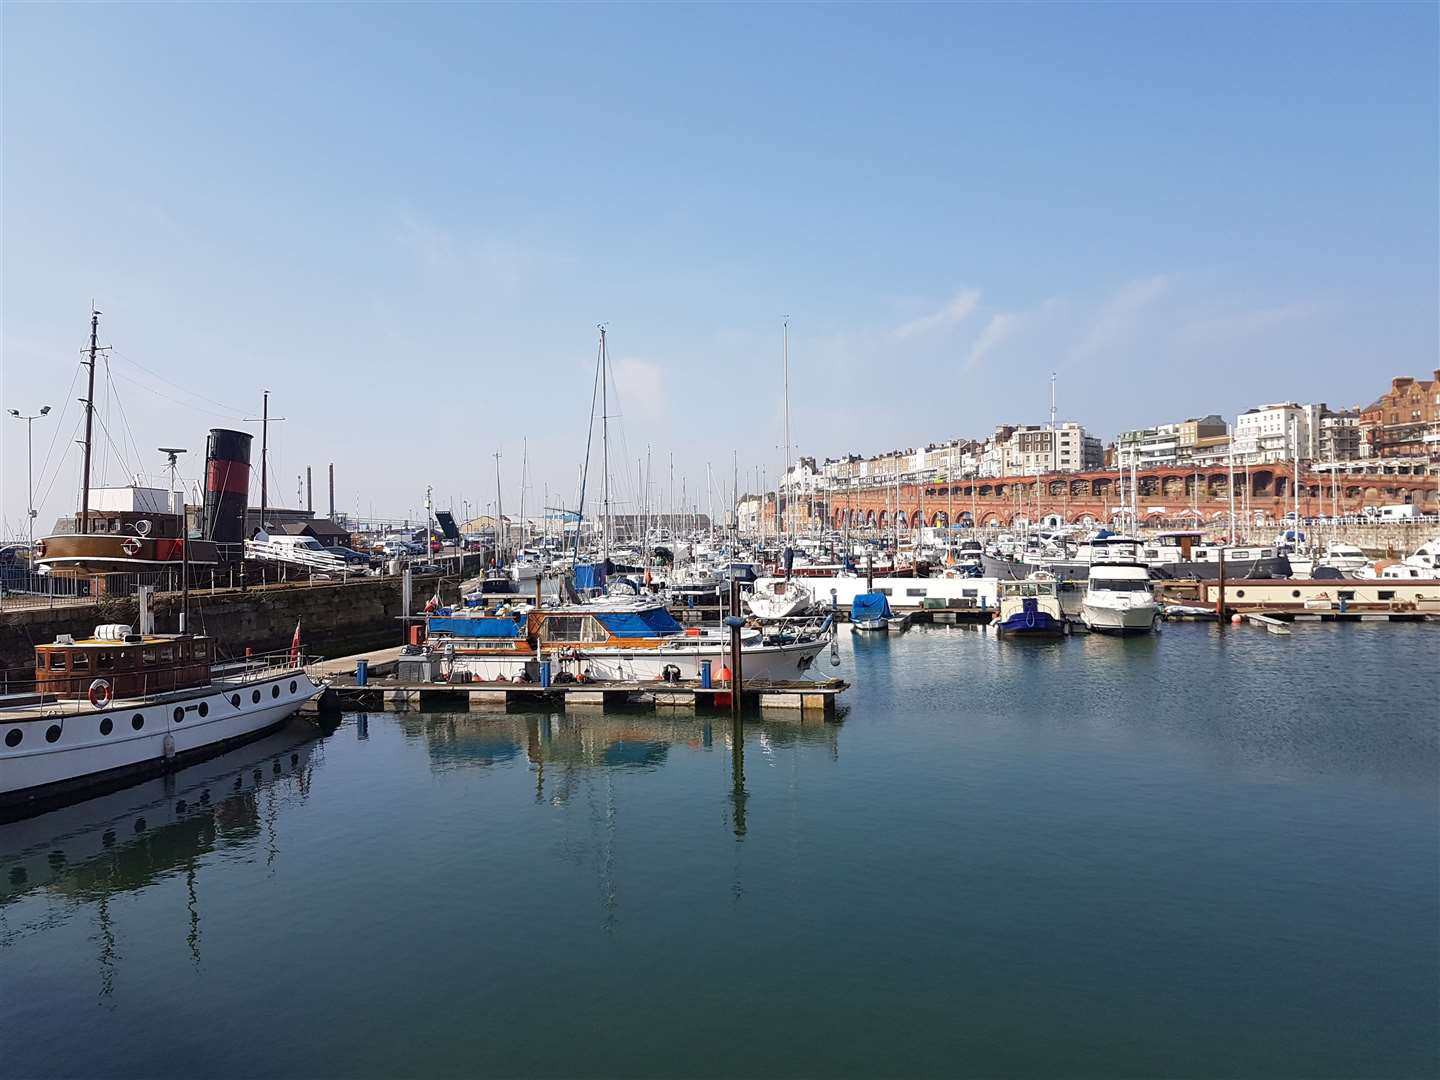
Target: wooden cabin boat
x=119, y=705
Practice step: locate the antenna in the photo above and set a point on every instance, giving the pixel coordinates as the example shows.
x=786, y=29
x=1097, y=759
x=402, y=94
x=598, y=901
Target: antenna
x=173, y=454
x=264, y=420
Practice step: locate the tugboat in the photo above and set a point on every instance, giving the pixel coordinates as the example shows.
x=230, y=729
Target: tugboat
x=118, y=706
x=1030, y=608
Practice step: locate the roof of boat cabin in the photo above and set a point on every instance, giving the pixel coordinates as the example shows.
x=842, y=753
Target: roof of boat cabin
x=114, y=643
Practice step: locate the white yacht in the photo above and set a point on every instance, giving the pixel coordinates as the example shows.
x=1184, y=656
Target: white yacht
x=1118, y=597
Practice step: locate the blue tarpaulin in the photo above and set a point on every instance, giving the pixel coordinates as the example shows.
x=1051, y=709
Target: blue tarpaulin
x=502, y=626
x=590, y=576
x=652, y=622
x=870, y=605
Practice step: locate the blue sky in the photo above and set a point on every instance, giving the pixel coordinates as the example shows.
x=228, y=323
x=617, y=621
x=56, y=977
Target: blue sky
x=406, y=222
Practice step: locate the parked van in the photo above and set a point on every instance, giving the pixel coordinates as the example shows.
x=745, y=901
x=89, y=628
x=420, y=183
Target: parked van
x=1399, y=512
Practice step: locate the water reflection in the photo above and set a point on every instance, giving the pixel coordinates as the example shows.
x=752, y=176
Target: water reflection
x=127, y=840
x=577, y=740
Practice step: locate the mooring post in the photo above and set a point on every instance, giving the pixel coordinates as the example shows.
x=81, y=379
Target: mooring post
x=1220, y=597
x=734, y=622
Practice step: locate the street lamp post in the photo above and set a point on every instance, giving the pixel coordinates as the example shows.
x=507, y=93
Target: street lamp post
x=29, y=469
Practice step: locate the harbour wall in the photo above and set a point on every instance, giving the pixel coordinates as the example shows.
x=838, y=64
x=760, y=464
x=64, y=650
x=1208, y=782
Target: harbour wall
x=336, y=618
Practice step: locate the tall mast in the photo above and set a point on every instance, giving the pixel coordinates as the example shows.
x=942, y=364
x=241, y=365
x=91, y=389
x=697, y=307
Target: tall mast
x=785, y=484
x=499, y=517
x=89, y=419
x=604, y=449
x=264, y=453
x=524, y=461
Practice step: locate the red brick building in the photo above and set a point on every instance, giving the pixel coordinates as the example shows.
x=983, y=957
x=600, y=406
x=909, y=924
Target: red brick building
x=1406, y=421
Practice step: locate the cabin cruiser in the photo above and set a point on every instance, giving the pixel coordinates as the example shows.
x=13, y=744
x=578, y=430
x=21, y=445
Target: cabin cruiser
x=1424, y=565
x=120, y=705
x=1344, y=560
x=1118, y=598
x=621, y=638
x=1030, y=608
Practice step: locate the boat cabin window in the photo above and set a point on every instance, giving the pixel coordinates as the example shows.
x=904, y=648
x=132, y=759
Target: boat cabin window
x=57, y=661
x=79, y=661
x=1387, y=594
x=104, y=660
x=202, y=650
x=1122, y=585
x=573, y=628
x=914, y=592
x=149, y=655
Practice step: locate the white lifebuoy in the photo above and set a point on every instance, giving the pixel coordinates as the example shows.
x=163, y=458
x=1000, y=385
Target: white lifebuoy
x=100, y=693
x=130, y=545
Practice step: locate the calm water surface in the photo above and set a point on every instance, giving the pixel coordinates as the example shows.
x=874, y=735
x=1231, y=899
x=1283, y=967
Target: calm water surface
x=1207, y=853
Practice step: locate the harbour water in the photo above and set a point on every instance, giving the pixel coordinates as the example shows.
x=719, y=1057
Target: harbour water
x=1207, y=852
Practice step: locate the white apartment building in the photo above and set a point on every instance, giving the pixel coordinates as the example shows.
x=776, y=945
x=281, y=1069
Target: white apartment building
x=1270, y=433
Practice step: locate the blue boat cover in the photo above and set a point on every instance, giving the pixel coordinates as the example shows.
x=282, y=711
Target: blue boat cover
x=870, y=605
x=652, y=622
x=503, y=626
x=590, y=576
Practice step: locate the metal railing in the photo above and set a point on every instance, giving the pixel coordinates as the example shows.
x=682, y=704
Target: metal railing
x=256, y=667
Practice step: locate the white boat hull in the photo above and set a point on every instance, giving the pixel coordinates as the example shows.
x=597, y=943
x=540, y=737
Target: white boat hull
x=80, y=753
x=773, y=662
x=1129, y=619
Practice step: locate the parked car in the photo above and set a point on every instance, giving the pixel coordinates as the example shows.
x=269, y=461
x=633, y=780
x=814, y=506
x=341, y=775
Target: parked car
x=356, y=559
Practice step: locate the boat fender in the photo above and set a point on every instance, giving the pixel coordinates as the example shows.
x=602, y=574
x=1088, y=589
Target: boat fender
x=168, y=746
x=100, y=693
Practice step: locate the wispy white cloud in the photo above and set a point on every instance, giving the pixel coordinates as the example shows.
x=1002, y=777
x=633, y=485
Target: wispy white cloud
x=1236, y=326
x=955, y=311
x=1000, y=327
x=1116, y=320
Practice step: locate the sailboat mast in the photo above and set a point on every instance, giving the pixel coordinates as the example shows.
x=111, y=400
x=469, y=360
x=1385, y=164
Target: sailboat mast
x=89, y=421
x=524, y=462
x=604, y=450
x=499, y=516
x=785, y=484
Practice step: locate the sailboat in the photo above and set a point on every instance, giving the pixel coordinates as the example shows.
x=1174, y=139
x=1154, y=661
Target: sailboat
x=781, y=598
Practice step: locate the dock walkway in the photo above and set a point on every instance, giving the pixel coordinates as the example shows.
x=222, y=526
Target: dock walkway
x=381, y=692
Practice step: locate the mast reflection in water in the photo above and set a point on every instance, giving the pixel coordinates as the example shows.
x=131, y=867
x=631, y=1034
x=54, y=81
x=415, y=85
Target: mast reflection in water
x=125, y=841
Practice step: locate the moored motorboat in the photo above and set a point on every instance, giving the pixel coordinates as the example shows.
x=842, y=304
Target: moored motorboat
x=609, y=638
x=1030, y=608
x=870, y=613
x=1118, y=597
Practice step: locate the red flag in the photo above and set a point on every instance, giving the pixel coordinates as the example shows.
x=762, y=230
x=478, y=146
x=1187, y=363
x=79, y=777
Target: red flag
x=295, y=644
